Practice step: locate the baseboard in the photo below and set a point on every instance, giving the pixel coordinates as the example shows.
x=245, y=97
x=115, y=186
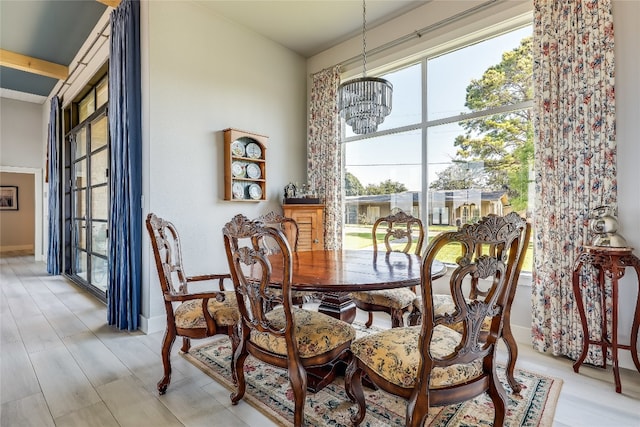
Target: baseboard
x=521, y=334
x=152, y=324
x=16, y=248
x=523, y=337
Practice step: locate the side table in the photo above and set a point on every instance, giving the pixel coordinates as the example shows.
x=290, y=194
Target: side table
x=610, y=263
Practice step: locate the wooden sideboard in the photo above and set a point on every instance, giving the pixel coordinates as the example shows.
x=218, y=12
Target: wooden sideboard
x=310, y=219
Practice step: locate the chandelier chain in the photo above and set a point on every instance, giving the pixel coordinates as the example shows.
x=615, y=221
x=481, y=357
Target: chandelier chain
x=364, y=102
x=364, y=38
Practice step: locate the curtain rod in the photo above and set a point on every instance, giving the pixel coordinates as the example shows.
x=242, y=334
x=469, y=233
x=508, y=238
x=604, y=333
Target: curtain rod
x=419, y=33
x=80, y=61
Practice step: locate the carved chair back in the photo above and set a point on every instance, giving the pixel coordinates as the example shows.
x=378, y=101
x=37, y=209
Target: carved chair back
x=402, y=231
x=287, y=225
x=167, y=252
x=245, y=243
x=504, y=239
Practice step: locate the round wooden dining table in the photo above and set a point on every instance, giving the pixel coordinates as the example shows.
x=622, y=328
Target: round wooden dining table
x=336, y=273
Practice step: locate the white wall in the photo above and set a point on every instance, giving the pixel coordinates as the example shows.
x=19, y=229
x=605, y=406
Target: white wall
x=22, y=150
x=21, y=134
x=202, y=74
x=626, y=16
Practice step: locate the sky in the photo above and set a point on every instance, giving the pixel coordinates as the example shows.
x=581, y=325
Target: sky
x=398, y=156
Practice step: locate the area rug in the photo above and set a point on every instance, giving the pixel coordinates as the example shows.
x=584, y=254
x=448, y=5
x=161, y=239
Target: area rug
x=269, y=391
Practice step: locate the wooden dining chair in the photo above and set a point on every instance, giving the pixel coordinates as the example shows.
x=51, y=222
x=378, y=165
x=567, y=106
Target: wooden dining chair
x=286, y=336
x=443, y=303
x=189, y=315
x=404, y=233
x=432, y=364
x=290, y=229
x=288, y=226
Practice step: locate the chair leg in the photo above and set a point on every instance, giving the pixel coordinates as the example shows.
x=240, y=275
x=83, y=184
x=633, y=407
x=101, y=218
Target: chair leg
x=415, y=317
x=186, y=345
x=354, y=390
x=418, y=406
x=167, y=343
x=370, y=321
x=234, y=335
x=396, y=318
x=497, y=395
x=512, y=356
x=298, y=379
x=237, y=364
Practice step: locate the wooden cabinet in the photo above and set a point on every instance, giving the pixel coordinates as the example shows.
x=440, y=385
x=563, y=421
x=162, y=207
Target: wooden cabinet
x=310, y=219
x=245, y=172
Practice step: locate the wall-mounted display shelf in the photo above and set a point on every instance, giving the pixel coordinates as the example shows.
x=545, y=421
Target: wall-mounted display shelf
x=245, y=172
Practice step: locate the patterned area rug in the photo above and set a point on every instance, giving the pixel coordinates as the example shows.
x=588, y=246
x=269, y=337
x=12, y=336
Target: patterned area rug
x=269, y=391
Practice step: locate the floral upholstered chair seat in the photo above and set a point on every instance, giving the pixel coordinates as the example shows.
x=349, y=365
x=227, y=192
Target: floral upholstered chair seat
x=394, y=355
x=316, y=333
x=395, y=298
x=443, y=304
x=225, y=313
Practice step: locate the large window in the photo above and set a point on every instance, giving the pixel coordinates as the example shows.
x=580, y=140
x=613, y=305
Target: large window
x=457, y=146
x=87, y=189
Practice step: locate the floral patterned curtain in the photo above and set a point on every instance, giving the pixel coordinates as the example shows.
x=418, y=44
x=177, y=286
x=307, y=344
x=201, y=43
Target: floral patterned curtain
x=575, y=161
x=324, y=154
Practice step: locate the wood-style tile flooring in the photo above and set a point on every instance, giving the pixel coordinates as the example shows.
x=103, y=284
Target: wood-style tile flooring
x=62, y=365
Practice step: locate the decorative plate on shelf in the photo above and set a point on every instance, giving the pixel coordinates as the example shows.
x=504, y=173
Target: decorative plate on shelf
x=255, y=192
x=238, y=148
x=253, y=171
x=254, y=151
x=238, y=190
x=238, y=169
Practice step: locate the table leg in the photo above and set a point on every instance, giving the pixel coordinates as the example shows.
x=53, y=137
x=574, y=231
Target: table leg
x=338, y=305
x=583, y=318
x=614, y=330
x=318, y=378
x=633, y=347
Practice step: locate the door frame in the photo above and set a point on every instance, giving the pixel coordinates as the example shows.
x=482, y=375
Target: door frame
x=38, y=246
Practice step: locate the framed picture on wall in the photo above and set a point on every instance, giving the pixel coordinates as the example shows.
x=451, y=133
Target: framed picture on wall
x=8, y=198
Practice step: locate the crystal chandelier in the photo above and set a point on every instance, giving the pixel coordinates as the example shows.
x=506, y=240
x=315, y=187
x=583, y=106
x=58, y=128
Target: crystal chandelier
x=364, y=102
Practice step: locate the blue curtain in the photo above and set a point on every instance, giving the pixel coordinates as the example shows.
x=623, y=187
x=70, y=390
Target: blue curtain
x=125, y=219
x=53, y=174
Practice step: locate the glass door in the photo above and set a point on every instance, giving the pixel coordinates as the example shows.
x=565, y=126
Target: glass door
x=87, y=192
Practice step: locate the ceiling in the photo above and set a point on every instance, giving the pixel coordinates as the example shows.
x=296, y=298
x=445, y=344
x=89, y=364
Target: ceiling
x=55, y=30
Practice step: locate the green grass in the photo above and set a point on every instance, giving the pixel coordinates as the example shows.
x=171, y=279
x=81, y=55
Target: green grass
x=359, y=237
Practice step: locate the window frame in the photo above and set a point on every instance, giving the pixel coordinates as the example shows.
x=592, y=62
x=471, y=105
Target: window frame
x=422, y=59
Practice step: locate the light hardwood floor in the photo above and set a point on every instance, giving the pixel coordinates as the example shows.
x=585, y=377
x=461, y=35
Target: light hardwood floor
x=62, y=365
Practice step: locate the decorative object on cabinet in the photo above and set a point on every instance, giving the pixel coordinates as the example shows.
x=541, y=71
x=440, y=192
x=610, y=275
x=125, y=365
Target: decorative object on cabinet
x=310, y=220
x=299, y=195
x=290, y=191
x=244, y=166
x=605, y=228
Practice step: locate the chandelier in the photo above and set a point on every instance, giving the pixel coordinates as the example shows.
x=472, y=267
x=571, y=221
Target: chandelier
x=364, y=102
